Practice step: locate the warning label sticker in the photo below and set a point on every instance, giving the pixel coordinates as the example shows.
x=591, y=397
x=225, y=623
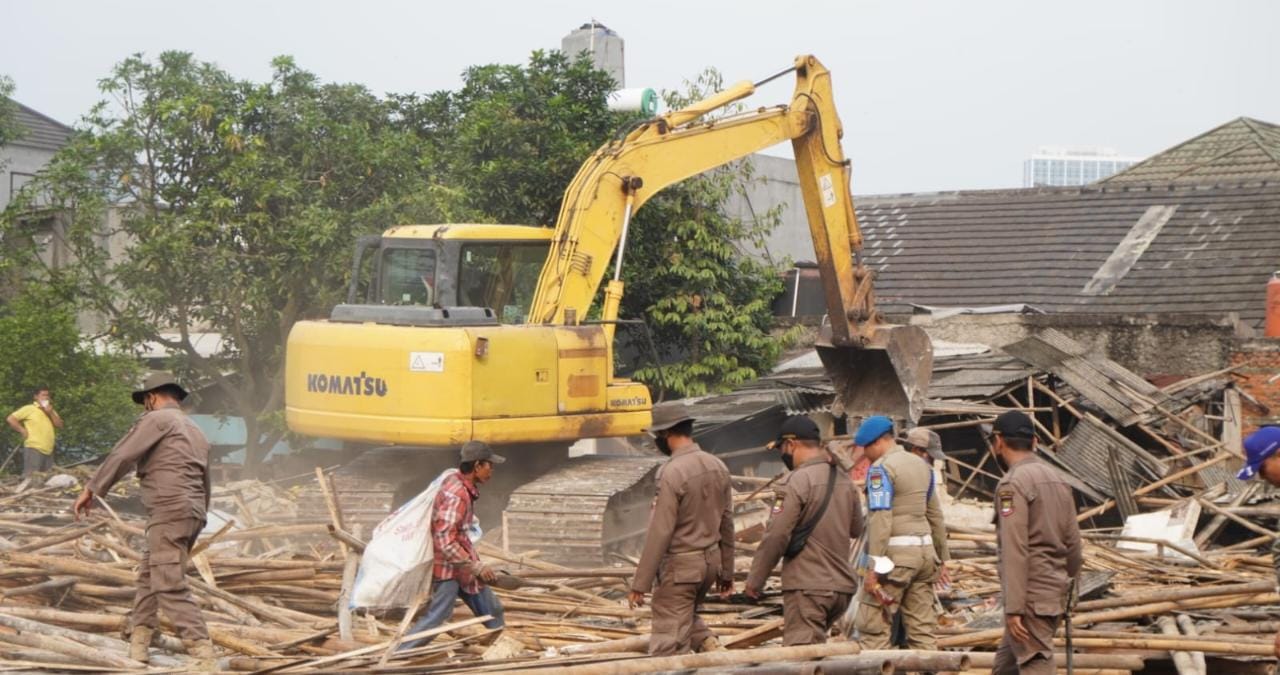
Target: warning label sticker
x=426, y=362
x=828, y=190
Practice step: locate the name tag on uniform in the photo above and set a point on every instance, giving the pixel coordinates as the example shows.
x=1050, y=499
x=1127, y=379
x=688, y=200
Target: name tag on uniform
x=879, y=489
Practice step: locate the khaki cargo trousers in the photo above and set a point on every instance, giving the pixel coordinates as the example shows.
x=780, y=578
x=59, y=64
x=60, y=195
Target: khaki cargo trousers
x=910, y=585
x=683, y=581
x=162, y=580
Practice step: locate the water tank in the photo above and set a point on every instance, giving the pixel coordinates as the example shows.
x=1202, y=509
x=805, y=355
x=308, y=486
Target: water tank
x=1273, y=306
x=603, y=46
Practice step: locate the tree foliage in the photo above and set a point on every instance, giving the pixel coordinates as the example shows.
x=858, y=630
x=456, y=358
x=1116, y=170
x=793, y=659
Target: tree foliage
x=510, y=140
x=229, y=207
x=41, y=346
x=9, y=129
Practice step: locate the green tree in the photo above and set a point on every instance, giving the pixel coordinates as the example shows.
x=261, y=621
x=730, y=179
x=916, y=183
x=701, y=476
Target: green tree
x=691, y=275
x=40, y=346
x=9, y=129
x=199, y=203
x=510, y=140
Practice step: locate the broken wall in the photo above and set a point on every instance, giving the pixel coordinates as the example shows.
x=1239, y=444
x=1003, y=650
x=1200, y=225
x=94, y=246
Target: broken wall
x=1181, y=344
x=1257, y=364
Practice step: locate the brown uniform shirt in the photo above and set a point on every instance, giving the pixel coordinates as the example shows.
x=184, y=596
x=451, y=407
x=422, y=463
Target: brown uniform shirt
x=824, y=563
x=171, y=455
x=1039, y=541
x=692, y=512
x=916, y=509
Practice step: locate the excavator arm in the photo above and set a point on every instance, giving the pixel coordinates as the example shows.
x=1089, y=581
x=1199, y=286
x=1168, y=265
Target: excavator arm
x=621, y=176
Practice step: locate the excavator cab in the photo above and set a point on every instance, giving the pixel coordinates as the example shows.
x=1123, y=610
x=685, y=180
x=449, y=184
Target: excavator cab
x=488, y=266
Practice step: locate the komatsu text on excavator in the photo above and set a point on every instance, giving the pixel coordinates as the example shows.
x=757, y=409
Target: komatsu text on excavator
x=471, y=331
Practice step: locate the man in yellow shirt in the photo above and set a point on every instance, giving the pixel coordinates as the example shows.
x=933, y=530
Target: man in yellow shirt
x=36, y=422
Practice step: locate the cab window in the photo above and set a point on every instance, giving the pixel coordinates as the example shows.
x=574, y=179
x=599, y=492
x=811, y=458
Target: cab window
x=408, y=276
x=500, y=276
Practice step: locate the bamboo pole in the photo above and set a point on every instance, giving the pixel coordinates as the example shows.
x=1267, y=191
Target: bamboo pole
x=992, y=636
x=98, y=643
x=1152, y=487
x=714, y=659
x=1125, y=662
x=1168, y=594
x=60, y=645
x=1178, y=644
x=1248, y=525
x=1183, y=661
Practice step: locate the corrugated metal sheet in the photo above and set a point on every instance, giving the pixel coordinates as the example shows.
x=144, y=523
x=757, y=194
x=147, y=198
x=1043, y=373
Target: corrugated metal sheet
x=1086, y=449
x=1118, y=392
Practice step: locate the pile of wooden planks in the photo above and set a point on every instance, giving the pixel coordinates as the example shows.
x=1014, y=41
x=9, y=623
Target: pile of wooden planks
x=273, y=579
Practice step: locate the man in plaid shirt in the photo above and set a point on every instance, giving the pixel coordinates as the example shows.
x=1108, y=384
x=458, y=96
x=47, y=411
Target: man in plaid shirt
x=456, y=568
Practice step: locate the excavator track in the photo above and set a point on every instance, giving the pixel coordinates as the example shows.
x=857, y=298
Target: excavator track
x=585, y=513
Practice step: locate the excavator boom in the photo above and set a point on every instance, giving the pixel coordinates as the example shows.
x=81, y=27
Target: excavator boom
x=876, y=368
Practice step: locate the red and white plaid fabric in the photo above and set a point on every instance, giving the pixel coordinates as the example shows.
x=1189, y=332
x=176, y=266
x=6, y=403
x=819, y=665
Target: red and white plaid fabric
x=450, y=518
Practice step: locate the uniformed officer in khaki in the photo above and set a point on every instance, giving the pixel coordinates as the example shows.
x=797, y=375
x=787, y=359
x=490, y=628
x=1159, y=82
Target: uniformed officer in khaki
x=1039, y=548
x=171, y=456
x=818, y=498
x=689, y=545
x=904, y=528
x=925, y=444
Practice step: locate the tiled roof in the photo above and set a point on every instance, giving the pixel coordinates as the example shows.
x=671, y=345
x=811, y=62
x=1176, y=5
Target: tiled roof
x=1242, y=149
x=39, y=130
x=1111, y=249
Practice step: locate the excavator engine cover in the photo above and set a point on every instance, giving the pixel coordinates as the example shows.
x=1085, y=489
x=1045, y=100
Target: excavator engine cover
x=889, y=376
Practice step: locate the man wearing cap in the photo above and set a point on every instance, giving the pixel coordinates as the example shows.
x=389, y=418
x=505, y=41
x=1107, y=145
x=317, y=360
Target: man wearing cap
x=1039, y=549
x=689, y=544
x=1262, y=458
x=171, y=457
x=816, y=516
x=456, y=570
x=925, y=444
x=906, y=541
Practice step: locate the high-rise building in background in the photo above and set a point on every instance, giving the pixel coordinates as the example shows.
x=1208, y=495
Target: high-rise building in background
x=604, y=46
x=1072, y=166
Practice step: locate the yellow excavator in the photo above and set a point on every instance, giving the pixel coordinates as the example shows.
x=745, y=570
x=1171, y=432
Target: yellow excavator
x=474, y=331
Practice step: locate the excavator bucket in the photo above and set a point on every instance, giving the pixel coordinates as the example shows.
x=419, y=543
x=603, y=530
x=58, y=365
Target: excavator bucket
x=889, y=376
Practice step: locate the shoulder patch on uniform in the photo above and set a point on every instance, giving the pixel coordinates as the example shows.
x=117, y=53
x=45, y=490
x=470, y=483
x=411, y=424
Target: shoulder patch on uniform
x=777, y=502
x=1006, y=503
x=879, y=489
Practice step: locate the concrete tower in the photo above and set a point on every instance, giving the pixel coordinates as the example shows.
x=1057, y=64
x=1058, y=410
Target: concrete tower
x=604, y=46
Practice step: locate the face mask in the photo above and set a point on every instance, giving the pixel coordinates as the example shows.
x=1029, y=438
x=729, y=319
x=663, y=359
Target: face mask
x=663, y=446
x=1004, y=466
x=789, y=461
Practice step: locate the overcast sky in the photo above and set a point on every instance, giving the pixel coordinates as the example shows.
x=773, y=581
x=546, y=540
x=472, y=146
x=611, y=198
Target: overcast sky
x=934, y=95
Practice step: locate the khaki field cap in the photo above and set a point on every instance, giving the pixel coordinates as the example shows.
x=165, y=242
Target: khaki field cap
x=154, y=381
x=666, y=417
x=925, y=439
x=474, y=451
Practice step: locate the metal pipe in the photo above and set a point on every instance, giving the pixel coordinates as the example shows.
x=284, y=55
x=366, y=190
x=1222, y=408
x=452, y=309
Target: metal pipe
x=622, y=242
x=795, y=292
